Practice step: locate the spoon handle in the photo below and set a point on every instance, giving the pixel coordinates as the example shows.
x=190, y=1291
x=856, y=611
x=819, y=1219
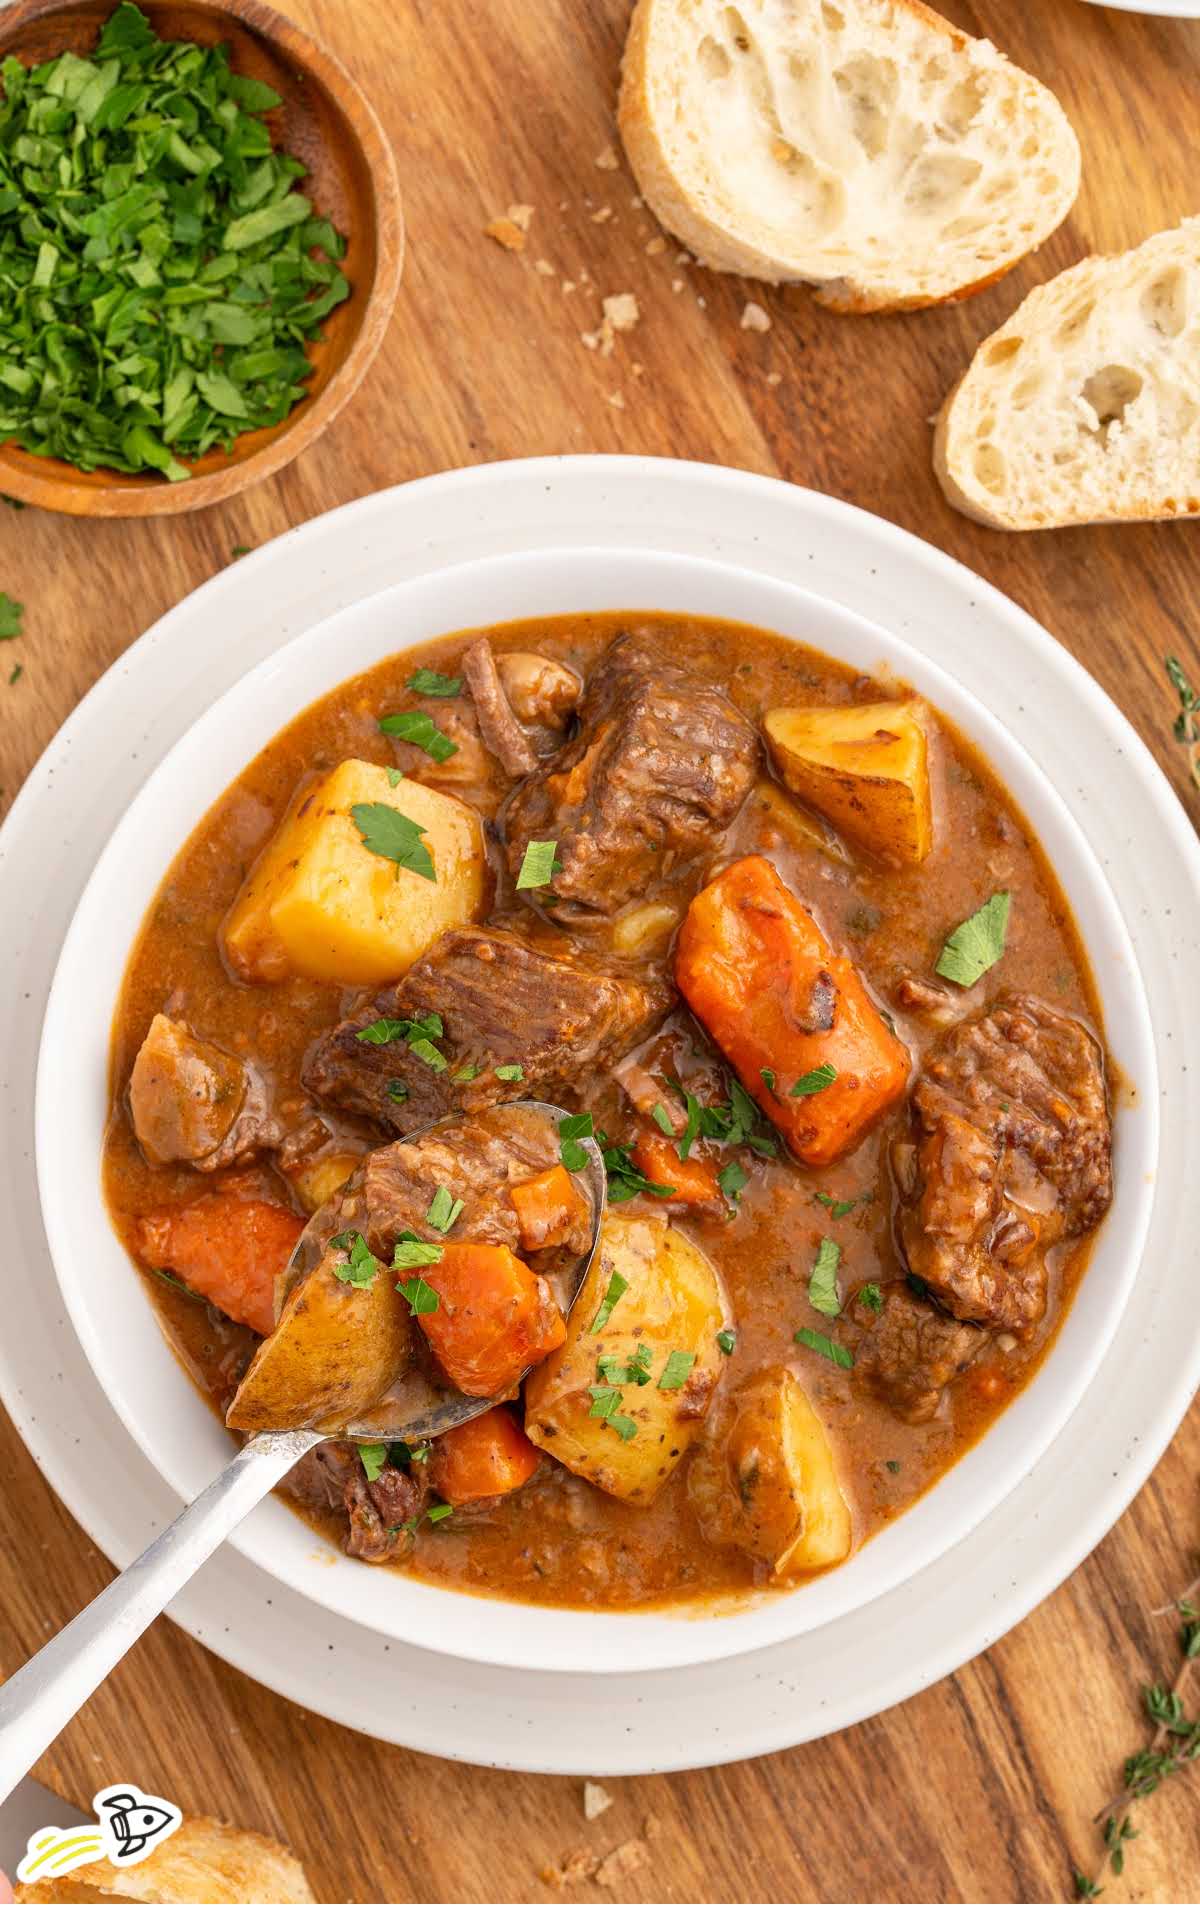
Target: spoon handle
x=39, y=1700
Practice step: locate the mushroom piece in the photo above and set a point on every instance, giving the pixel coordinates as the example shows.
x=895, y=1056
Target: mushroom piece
x=501, y=731
x=541, y=692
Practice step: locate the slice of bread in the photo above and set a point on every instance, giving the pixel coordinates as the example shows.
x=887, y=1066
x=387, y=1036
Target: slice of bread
x=866, y=147
x=1085, y=406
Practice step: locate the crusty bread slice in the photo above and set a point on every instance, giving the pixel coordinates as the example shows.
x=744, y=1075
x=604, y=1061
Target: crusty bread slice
x=1085, y=406
x=864, y=146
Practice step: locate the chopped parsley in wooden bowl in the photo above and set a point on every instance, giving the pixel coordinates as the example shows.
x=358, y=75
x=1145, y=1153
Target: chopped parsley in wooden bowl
x=200, y=247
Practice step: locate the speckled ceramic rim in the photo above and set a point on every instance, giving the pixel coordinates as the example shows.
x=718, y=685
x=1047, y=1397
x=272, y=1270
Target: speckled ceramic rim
x=118, y=1327
x=858, y=1665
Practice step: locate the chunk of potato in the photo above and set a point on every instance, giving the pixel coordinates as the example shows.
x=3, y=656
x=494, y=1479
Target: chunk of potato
x=865, y=768
x=643, y=927
x=318, y=902
x=673, y=1301
x=333, y=1353
x=765, y=1479
x=316, y=1181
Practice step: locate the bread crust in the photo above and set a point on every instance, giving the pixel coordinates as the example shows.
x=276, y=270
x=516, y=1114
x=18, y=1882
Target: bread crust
x=723, y=248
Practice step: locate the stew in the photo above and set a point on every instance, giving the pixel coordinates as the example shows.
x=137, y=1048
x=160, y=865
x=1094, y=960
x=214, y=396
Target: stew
x=773, y=933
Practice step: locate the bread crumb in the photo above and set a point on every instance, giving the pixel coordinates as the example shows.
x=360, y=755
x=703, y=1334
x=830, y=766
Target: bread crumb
x=603, y=215
x=651, y=1826
x=567, y=286
x=677, y=285
x=637, y=203
x=595, y=1799
x=622, y=311
x=607, y=161
x=655, y=247
x=639, y=370
x=683, y=258
x=782, y=151
x=544, y=268
x=572, y=1869
x=774, y=379
x=621, y=1864
x=506, y=233
x=754, y=318
x=703, y=303
x=521, y=215
x=616, y=400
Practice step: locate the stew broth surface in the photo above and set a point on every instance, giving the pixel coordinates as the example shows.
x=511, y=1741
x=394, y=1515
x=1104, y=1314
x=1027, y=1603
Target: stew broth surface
x=559, y=1540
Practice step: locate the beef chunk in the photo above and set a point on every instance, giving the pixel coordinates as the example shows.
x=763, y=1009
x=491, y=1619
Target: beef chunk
x=909, y=1351
x=1013, y=1154
x=560, y=1015
x=331, y=1476
x=193, y=1103
x=660, y=765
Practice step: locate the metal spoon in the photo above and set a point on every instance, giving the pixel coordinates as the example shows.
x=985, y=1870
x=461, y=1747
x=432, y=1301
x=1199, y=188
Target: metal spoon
x=39, y=1700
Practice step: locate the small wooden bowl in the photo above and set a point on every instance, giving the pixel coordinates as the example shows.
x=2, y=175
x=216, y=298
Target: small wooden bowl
x=326, y=122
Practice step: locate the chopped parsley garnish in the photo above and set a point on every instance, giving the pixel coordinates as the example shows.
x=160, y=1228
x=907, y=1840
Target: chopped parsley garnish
x=241, y=549
x=445, y=1210
x=975, y=946
x=417, y=1034
x=161, y=276
x=818, y=1079
x=738, y=1121
x=421, y=1299
x=617, y=1286
x=606, y=1403
x=624, y=1178
x=176, y=1283
x=871, y=1297
x=397, y=1090
x=662, y=1119
x=841, y=1206
x=428, y=1053
x=433, y=1515
x=465, y=1074
x=393, y=836
x=726, y=1342
x=394, y=776
x=10, y=614
x=613, y=1369
x=823, y=1279
x=825, y=1346
x=383, y=1031
x=360, y=1268
x=733, y=1181
x=411, y=1253
x=768, y=1077
x=427, y=681
x=676, y=1369
x=892, y=1467
x=419, y=728
x=15, y=673
x=373, y=1456
x=539, y=865
x=510, y=1074
x=1187, y=721
x=570, y=1131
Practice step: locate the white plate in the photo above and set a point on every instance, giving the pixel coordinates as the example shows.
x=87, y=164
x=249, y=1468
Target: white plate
x=857, y=1665
x=118, y=1325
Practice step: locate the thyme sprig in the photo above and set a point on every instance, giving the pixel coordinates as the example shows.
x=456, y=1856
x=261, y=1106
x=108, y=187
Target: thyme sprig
x=1173, y=1745
x=1187, y=721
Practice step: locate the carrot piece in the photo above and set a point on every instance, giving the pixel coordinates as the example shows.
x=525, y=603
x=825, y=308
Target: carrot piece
x=762, y=979
x=548, y=1208
x=228, y=1249
x=490, y=1455
x=494, y=1317
x=694, y=1180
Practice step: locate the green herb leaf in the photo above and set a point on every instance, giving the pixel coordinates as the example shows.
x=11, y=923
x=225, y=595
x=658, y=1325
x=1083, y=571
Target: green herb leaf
x=871, y=1297
x=445, y=1210
x=383, y=1031
x=360, y=1268
x=676, y=1369
x=841, y=1206
x=726, y=1342
x=394, y=776
x=427, y=681
x=465, y=1074
x=974, y=947
x=1187, y=721
x=373, y=1456
x=605, y=1399
x=825, y=1346
x=733, y=1181
x=893, y=1467
x=617, y=1286
x=662, y=1119
x=393, y=836
x=570, y=1131
x=614, y=1369
x=10, y=617
x=539, y=865
x=624, y=1178
x=823, y=1279
x=818, y=1079
x=768, y=1077
x=419, y=728
x=397, y=1091
x=510, y=1074
x=421, y=1299
x=411, y=1252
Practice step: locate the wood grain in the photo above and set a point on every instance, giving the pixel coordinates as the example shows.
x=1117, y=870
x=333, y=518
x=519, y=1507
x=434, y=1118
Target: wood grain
x=982, y=1787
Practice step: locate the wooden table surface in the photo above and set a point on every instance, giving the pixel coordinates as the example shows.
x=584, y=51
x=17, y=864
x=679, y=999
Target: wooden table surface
x=982, y=1787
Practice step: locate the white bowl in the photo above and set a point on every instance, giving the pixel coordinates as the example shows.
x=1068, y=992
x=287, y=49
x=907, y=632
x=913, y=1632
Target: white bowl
x=116, y=1322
